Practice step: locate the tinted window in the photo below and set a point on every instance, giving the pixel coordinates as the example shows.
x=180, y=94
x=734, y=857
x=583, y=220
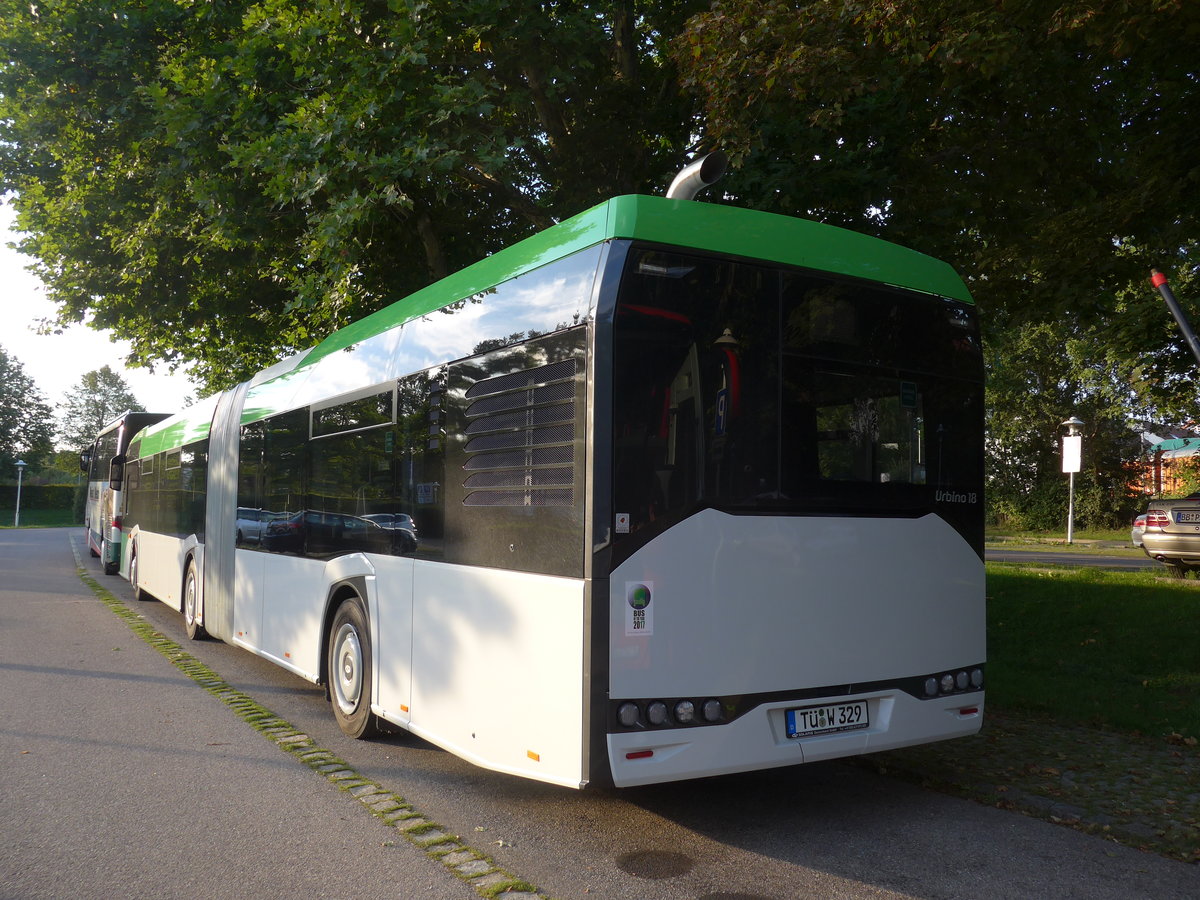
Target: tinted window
x=751, y=388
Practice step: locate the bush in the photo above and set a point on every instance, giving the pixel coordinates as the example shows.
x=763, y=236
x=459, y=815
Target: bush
x=39, y=496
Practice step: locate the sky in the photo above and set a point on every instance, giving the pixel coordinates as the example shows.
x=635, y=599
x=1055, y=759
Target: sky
x=57, y=362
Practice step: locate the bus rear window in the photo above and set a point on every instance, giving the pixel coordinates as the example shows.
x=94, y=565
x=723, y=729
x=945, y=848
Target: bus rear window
x=750, y=387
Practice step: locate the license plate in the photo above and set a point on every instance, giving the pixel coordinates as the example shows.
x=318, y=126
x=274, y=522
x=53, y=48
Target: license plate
x=1189, y=516
x=827, y=719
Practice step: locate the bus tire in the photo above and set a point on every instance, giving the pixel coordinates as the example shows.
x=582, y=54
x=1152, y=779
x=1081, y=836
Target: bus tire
x=138, y=594
x=190, y=604
x=349, y=667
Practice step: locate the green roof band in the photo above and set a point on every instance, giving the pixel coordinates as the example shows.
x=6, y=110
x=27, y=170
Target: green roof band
x=681, y=223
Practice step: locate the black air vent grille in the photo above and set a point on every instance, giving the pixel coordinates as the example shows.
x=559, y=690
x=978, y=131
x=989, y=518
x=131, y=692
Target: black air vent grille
x=521, y=430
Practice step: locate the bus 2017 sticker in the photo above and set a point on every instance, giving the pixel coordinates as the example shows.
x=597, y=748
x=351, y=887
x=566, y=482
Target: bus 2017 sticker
x=639, y=614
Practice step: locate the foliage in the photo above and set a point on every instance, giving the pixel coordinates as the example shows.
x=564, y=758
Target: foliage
x=1037, y=378
x=38, y=496
x=1046, y=149
x=221, y=183
x=24, y=419
x=100, y=397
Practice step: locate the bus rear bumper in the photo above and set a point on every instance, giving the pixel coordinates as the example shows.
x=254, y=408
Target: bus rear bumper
x=759, y=740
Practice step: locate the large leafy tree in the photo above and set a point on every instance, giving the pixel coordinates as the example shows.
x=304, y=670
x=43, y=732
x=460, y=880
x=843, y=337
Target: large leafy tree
x=223, y=182
x=1047, y=149
x=25, y=418
x=100, y=397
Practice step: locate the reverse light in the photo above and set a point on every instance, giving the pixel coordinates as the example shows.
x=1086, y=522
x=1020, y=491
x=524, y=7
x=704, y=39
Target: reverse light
x=712, y=710
x=685, y=712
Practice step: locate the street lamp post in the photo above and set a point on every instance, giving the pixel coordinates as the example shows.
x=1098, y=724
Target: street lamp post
x=1072, y=449
x=21, y=464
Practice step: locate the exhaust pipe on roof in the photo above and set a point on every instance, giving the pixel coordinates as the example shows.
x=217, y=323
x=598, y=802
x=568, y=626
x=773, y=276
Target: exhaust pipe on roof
x=695, y=177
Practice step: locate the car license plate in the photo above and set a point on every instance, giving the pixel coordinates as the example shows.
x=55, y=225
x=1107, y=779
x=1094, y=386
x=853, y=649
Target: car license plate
x=827, y=719
x=1187, y=516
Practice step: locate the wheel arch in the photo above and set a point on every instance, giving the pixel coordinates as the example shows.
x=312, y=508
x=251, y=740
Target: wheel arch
x=354, y=587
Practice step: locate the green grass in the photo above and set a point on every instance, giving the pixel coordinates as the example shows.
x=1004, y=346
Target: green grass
x=39, y=518
x=1117, y=649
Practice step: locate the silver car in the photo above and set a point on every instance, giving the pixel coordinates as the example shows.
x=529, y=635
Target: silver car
x=1137, y=530
x=1171, y=533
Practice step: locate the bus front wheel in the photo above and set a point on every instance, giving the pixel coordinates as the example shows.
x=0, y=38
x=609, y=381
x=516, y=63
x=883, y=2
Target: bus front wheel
x=350, y=670
x=191, y=604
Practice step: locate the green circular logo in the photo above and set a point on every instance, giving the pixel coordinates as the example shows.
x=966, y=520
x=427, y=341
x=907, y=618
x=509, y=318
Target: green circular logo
x=639, y=596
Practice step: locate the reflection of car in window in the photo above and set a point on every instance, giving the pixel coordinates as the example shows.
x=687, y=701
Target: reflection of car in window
x=251, y=524
x=402, y=528
x=323, y=535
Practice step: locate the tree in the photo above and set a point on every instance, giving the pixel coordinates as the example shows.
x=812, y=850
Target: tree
x=100, y=397
x=25, y=429
x=222, y=183
x=1047, y=150
x=1036, y=379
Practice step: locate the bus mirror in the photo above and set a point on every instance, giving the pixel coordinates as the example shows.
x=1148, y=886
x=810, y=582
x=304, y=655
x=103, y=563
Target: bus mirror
x=85, y=459
x=116, y=473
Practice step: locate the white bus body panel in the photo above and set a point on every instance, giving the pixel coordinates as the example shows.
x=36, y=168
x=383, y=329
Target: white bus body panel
x=161, y=560
x=392, y=638
x=497, y=669
x=280, y=604
x=754, y=604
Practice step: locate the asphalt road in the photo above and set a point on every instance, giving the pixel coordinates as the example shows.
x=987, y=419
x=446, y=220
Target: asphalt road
x=1068, y=558
x=122, y=777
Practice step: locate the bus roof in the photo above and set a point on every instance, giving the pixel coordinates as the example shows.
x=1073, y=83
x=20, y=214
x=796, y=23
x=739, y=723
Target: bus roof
x=183, y=428
x=689, y=224
x=682, y=223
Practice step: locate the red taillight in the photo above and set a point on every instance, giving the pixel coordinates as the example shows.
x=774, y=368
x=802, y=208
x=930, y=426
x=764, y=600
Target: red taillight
x=1157, y=520
x=639, y=754
x=116, y=522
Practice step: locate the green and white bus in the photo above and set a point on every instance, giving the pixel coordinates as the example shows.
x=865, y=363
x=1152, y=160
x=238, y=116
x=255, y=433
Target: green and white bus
x=670, y=489
x=105, y=500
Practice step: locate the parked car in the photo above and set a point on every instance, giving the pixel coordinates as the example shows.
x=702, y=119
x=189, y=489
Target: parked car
x=1171, y=533
x=1135, y=533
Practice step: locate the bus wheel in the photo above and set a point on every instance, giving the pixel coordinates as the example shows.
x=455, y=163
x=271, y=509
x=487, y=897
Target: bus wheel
x=191, y=600
x=138, y=594
x=350, y=670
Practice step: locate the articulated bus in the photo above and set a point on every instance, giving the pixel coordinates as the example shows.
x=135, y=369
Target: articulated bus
x=670, y=489
x=102, y=511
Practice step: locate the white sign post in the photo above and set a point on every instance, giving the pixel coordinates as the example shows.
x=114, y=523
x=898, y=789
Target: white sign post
x=1072, y=450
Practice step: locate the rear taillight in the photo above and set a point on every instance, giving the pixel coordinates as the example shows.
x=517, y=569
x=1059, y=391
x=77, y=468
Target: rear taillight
x=1157, y=520
x=116, y=522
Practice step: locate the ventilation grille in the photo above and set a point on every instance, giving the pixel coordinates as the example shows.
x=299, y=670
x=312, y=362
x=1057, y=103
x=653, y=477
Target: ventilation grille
x=521, y=438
